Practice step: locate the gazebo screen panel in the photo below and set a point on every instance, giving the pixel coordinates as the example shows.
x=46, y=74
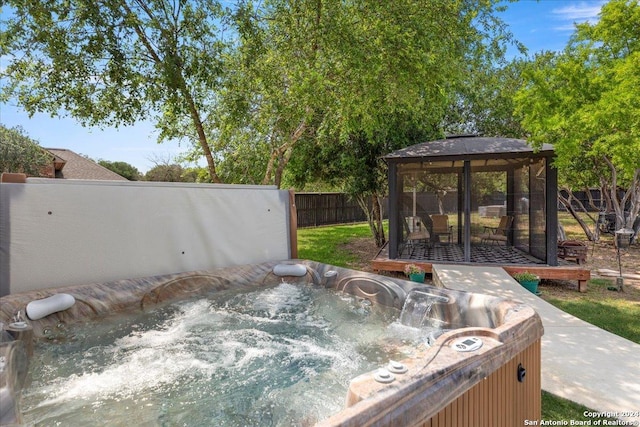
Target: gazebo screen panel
x=537, y=211
x=427, y=189
x=521, y=234
x=488, y=201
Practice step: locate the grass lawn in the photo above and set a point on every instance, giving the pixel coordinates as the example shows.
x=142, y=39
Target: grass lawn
x=326, y=244
x=556, y=408
x=613, y=312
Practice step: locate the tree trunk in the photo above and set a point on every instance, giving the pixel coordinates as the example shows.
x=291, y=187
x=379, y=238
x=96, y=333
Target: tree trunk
x=374, y=217
x=179, y=84
x=282, y=163
x=567, y=204
x=633, y=199
x=381, y=238
x=202, y=138
x=613, y=195
x=627, y=209
x=630, y=199
x=280, y=157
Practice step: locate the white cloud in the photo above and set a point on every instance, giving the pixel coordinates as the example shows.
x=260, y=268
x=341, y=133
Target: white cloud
x=566, y=27
x=579, y=12
x=576, y=12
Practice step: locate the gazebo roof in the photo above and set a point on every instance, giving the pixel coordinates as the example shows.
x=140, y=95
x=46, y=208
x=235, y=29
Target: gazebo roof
x=469, y=147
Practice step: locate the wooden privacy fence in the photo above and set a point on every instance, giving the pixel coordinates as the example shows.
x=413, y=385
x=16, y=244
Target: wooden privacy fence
x=316, y=209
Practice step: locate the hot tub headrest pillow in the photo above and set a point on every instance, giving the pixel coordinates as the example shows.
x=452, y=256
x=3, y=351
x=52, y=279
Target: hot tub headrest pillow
x=297, y=270
x=43, y=307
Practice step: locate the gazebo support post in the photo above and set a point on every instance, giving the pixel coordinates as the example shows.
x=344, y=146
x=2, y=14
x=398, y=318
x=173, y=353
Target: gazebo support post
x=467, y=211
x=511, y=203
x=551, y=191
x=395, y=192
x=460, y=231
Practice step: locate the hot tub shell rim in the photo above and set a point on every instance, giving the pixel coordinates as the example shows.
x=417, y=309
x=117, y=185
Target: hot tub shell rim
x=517, y=328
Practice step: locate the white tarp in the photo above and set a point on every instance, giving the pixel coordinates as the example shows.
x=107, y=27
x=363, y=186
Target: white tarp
x=63, y=232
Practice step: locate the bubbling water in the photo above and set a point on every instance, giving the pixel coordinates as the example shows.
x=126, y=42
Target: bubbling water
x=280, y=355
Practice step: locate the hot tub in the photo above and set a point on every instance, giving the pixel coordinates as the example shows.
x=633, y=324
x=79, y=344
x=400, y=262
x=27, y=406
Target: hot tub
x=481, y=368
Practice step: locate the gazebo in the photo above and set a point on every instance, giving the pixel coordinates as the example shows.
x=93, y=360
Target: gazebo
x=470, y=199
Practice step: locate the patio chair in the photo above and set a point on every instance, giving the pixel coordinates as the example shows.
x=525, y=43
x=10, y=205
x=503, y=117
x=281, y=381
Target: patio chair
x=441, y=227
x=497, y=234
x=418, y=231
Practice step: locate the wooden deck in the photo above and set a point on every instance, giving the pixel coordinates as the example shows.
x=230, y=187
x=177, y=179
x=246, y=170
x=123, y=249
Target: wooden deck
x=510, y=259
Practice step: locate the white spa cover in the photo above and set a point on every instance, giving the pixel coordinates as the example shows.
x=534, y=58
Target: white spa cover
x=65, y=232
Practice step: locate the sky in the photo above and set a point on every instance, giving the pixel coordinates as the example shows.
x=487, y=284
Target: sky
x=538, y=24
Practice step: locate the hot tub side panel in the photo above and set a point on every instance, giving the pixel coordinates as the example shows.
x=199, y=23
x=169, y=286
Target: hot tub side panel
x=476, y=393
x=500, y=400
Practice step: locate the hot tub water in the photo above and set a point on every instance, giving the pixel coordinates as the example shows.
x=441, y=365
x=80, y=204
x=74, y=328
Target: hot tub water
x=280, y=355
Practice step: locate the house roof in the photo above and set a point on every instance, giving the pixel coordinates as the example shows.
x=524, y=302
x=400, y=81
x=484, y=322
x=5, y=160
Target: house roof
x=70, y=165
x=469, y=147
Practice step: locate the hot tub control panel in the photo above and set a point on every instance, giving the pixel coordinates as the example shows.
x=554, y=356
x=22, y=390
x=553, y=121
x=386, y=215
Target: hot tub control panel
x=467, y=344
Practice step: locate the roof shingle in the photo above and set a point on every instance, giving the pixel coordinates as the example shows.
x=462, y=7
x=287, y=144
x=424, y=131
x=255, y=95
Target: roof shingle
x=467, y=146
x=77, y=167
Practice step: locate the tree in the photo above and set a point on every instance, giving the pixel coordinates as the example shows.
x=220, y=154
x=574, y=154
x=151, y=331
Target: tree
x=195, y=174
x=338, y=84
x=484, y=102
x=122, y=168
x=586, y=100
x=354, y=165
x=113, y=62
x=21, y=154
x=165, y=173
